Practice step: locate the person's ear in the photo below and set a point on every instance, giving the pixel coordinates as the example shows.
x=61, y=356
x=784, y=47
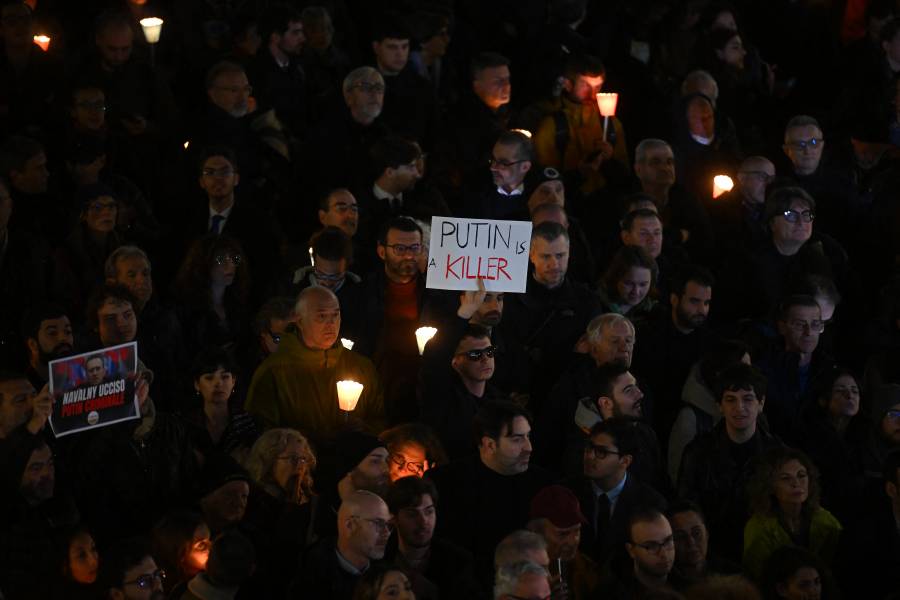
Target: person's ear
x=526, y=166
x=33, y=346
x=630, y=548
x=890, y=488
x=762, y=403
x=567, y=84
x=626, y=461
x=381, y=251
x=196, y=386
x=237, y=178
x=605, y=405
x=489, y=444
x=673, y=299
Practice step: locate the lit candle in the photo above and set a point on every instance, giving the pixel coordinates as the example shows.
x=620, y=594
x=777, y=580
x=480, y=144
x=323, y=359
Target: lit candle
x=348, y=344
x=152, y=27
x=312, y=258
x=348, y=394
x=524, y=132
x=721, y=184
x=423, y=336
x=607, y=102
x=43, y=41
x=187, y=144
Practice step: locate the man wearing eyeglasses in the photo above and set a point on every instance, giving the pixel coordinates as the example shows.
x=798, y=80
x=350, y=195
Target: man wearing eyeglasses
x=130, y=573
x=504, y=198
x=652, y=550
x=792, y=366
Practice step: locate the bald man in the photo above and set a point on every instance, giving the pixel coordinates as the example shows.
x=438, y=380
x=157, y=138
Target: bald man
x=297, y=385
x=333, y=567
x=737, y=216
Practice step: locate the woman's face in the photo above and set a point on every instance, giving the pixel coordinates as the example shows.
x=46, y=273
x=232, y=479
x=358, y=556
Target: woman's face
x=634, y=285
x=733, y=53
x=395, y=585
x=791, y=483
x=844, y=399
x=802, y=585
x=224, y=267
x=198, y=553
x=100, y=214
x=290, y=467
x=215, y=387
x=83, y=559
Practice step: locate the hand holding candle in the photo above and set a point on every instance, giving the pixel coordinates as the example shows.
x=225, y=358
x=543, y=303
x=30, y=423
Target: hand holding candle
x=348, y=392
x=423, y=336
x=721, y=184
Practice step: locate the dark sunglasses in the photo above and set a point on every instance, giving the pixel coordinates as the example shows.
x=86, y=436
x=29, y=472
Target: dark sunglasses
x=475, y=355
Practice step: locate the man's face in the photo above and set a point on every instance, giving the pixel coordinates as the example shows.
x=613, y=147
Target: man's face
x=391, y=54
x=753, y=179
x=645, y=233
x=804, y=584
x=508, y=169
x=415, y=524
x=657, y=168
x=400, y=255
x=656, y=535
x=550, y=260
x=562, y=542
x=231, y=92
x=890, y=426
x=801, y=329
x=54, y=339
x=320, y=323
x=228, y=503
x=96, y=371
x=372, y=473
x=101, y=214
x=549, y=192
x=531, y=586
x=584, y=89
x=692, y=308
x=33, y=177
x=343, y=212
x=691, y=539
x=330, y=273
x=491, y=310
x=117, y=322
x=804, y=146
x=371, y=530
x=404, y=177
x=409, y=459
x=141, y=583
x=15, y=19
x=740, y=408
x=626, y=398
x=492, y=86
x=602, y=460
x=480, y=369
x=218, y=178
x=891, y=48
x=701, y=118
x=39, y=476
x=616, y=344
x=134, y=273
x=511, y=454
x=115, y=45
x=16, y=401
x=366, y=98
x=634, y=285
x=291, y=41
x=795, y=227
x=89, y=109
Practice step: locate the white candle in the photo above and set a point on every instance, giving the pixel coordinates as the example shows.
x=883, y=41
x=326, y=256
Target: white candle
x=348, y=394
x=152, y=27
x=43, y=41
x=423, y=336
x=348, y=344
x=721, y=184
x=524, y=132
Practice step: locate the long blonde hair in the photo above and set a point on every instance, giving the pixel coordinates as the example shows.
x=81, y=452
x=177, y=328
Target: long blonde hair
x=264, y=452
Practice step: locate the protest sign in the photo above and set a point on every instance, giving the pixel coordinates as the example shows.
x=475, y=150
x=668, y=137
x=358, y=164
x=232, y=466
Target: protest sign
x=463, y=250
x=94, y=389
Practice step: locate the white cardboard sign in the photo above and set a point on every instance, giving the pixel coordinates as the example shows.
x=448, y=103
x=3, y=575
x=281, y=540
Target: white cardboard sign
x=462, y=250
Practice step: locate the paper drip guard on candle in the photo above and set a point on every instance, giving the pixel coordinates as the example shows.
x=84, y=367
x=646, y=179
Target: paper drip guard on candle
x=607, y=103
x=348, y=392
x=42, y=41
x=423, y=336
x=524, y=132
x=348, y=344
x=721, y=184
x=152, y=27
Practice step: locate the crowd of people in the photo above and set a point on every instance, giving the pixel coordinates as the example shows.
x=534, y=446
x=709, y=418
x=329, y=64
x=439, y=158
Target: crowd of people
x=696, y=396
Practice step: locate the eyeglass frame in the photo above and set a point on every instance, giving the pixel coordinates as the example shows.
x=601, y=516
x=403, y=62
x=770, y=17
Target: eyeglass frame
x=401, y=249
x=500, y=164
x=380, y=524
x=403, y=464
x=142, y=581
x=100, y=206
x=813, y=143
x=807, y=216
x=654, y=547
x=223, y=172
x=296, y=459
x=596, y=451
x=235, y=259
x=893, y=415
x=798, y=326
x=369, y=88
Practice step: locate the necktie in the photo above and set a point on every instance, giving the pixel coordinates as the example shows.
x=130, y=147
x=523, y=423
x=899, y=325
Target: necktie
x=216, y=226
x=602, y=524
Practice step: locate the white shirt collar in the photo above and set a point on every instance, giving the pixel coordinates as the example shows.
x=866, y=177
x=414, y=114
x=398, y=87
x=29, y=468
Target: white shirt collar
x=516, y=192
x=383, y=195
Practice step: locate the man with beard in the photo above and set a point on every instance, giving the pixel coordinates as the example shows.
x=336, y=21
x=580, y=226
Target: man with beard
x=652, y=550
x=332, y=568
x=296, y=385
x=130, y=573
x=556, y=515
x=48, y=336
x=504, y=198
x=431, y=562
x=487, y=496
x=672, y=341
x=21, y=405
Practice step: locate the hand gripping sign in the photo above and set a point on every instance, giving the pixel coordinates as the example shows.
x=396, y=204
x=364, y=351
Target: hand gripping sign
x=464, y=250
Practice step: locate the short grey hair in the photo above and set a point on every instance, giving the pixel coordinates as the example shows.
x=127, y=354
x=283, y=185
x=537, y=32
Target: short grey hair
x=801, y=121
x=600, y=322
x=516, y=546
x=121, y=253
x=357, y=75
x=695, y=81
x=507, y=578
x=640, y=153
x=304, y=297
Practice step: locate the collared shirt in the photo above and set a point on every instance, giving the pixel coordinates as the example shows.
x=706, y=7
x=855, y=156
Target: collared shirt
x=612, y=494
x=520, y=189
x=348, y=566
x=225, y=213
x=395, y=202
